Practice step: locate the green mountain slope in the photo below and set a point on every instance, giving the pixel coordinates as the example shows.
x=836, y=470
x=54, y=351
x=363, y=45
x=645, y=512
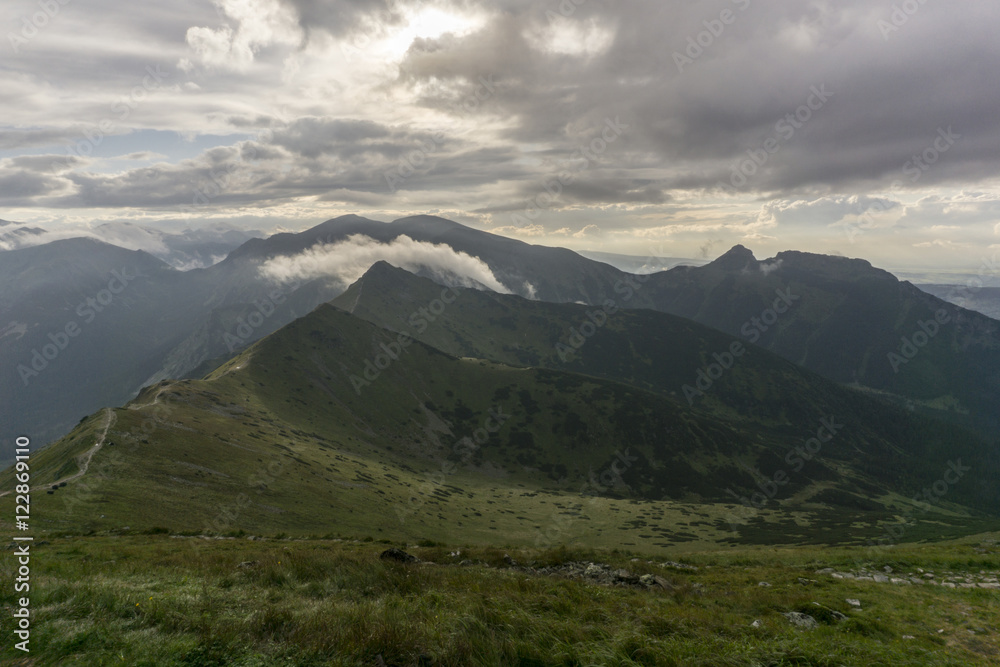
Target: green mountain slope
x=851, y=323
x=281, y=439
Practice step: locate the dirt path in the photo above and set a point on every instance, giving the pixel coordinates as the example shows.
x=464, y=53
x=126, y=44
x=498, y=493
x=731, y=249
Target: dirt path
x=156, y=399
x=84, y=459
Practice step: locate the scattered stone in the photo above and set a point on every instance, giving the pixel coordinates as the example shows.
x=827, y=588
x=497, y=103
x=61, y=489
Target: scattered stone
x=826, y=570
x=898, y=581
x=832, y=613
x=679, y=566
x=593, y=570
x=908, y=637
x=756, y=624
x=626, y=577
x=887, y=569
x=509, y=561
x=466, y=562
x=398, y=555
x=764, y=584
x=881, y=578
x=652, y=581
x=798, y=619
x=854, y=603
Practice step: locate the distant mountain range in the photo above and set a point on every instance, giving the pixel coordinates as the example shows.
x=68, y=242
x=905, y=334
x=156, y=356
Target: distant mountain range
x=454, y=413
x=190, y=249
x=640, y=265
x=985, y=300
x=840, y=318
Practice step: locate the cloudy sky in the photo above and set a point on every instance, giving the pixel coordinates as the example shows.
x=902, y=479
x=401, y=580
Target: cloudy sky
x=643, y=127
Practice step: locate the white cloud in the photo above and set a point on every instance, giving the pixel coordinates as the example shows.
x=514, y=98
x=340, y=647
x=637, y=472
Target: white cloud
x=348, y=260
x=259, y=23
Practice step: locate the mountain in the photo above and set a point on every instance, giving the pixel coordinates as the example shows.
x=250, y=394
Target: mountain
x=171, y=324
x=541, y=272
x=83, y=324
x=848, y=321
x=985, y=300
x=192, y=248
x=843, y=317
x=284, y=437
x=15, y=235
x=637, y=264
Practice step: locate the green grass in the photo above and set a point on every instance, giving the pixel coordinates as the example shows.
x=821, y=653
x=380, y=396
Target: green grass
x=277, y=440
x=168, y=600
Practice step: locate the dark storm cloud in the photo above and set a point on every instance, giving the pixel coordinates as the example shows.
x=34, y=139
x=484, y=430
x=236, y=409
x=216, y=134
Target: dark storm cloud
x=889, y=90
x=312, y=137
x=339, y=17
x=820, y=105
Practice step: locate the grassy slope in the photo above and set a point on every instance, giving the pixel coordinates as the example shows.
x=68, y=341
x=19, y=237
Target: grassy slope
x=158, y=600
x=660, y=353
x=277, y=440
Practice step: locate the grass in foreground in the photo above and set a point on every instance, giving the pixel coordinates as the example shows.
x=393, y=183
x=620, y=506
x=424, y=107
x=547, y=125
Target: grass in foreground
x=164, y=600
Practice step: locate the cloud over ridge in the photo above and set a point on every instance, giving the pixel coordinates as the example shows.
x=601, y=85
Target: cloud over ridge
x=349, y=259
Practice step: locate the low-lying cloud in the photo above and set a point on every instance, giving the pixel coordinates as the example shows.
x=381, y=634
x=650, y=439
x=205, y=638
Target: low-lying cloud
x=348, y=260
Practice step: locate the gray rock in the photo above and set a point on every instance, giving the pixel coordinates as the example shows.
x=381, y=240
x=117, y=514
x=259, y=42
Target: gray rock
x=624, y=576
x=800, y=620
x=398, y=555
x=854, y=603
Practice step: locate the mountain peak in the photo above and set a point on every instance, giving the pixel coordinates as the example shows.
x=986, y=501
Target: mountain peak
x=736, y=258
